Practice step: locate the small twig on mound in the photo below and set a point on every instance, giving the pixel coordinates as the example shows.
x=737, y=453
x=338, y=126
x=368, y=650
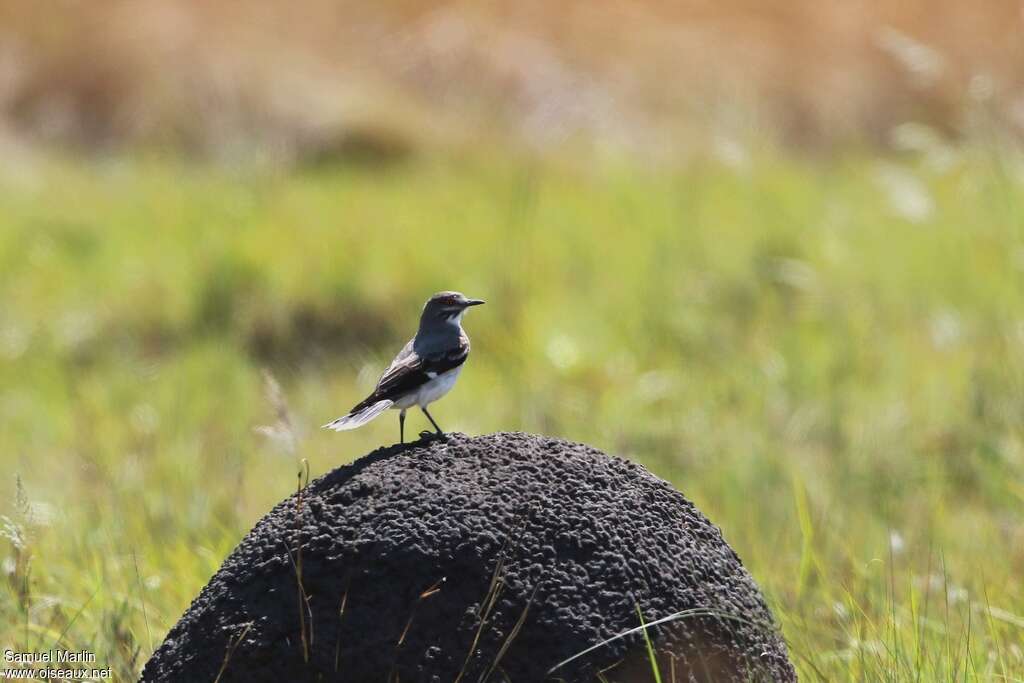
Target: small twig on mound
x=231, y=651
x=511, y=637
x=341, y=614
x=684, y=614
x=307, y=638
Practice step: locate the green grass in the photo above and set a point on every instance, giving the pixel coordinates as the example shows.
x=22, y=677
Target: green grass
x=828, y=358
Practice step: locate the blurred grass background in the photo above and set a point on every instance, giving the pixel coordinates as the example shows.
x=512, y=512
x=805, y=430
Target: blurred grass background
x=773, y=252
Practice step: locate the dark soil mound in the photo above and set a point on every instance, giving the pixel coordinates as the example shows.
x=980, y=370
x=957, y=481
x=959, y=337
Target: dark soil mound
x=490, y=558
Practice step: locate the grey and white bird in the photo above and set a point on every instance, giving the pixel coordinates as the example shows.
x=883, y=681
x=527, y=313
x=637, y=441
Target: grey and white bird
x=424, y=370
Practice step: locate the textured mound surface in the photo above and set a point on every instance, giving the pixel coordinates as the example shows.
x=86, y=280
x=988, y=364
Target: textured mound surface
x=472, y=559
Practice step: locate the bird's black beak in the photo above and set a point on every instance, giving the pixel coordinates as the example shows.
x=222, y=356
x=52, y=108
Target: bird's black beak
x=473, y=302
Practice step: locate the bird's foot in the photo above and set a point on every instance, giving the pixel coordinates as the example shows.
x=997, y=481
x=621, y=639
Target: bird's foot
x=428, y=435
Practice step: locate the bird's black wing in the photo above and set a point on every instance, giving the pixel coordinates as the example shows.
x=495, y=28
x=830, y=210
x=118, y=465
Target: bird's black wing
x=409, y=371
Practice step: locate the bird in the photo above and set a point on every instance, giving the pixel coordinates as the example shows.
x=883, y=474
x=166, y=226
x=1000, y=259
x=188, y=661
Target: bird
x=423, y=371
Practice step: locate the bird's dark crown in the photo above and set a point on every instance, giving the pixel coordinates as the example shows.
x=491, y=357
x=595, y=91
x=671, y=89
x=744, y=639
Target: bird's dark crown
x=447, y=306
x=450, y=300
x=446, y=299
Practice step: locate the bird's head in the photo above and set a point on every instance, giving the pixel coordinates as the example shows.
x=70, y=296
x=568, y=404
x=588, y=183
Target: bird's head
x=446, y=307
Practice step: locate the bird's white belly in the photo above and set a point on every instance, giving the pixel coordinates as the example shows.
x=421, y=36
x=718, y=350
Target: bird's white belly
x=431, y=391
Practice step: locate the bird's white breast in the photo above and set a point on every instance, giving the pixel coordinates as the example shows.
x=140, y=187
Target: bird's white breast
x=438, y=386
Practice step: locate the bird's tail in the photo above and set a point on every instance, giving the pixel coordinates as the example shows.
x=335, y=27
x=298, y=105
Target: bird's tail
x=359, y=417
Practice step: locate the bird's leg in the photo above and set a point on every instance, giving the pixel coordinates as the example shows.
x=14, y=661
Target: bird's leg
x=401, y=426
x=440, y=432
